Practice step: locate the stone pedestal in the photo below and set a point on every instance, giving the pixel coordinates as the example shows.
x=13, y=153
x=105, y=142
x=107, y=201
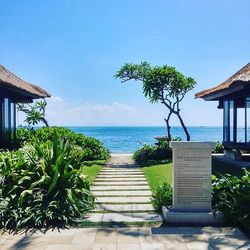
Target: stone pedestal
x=192, y=187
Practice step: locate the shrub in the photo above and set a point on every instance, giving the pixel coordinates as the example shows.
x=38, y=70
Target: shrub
x=162, y=196
x=231, y=196
x=93, y=148
x=155, y=152
x=43, y=185
x=218, y=149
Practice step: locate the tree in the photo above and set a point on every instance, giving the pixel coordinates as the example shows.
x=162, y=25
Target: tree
x=160, y=84
x=35, y=113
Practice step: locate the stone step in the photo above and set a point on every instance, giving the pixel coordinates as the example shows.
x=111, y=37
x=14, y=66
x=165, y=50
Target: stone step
x=120, y=179
x=121, y=170
x=120, y=176
x=124, y=217
x=120, y=173
x=121, y=188
x=145, y=199
x=122, y=193
x=120, y=183
x=124, y=207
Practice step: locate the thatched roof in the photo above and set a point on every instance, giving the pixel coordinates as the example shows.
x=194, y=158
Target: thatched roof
x=10, y=80
x=240, y=77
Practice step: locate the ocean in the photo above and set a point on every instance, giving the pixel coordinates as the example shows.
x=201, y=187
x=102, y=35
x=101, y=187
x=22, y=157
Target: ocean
x=128, y=139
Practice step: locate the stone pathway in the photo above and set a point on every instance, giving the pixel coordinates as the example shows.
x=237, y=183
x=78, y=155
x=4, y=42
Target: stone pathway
x=123, y=194
x=134, y=238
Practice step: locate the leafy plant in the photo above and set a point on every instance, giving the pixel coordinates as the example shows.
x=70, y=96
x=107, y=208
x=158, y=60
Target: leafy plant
x=231, y=196
x=218, y=149
x=162, y=151
x=162, y=196
x=42, y=185
x=92, y=148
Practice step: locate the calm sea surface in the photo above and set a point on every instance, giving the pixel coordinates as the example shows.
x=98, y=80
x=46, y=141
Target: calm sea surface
x=128, y=139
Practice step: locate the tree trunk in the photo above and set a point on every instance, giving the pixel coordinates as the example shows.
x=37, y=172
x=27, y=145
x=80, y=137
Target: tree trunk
x=168, y=126
x=183, y=126
x=45, y=122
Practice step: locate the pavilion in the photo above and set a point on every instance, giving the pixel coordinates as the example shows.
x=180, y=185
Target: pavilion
x=14, y=90
x=233, y=96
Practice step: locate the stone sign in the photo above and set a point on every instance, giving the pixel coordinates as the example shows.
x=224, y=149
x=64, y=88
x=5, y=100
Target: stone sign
x=192, y=176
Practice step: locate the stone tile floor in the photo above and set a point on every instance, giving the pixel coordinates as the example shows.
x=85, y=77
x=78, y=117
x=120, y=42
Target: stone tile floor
x=102, y=238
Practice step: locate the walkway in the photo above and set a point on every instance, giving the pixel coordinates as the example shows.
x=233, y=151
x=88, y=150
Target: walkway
x=123, y=195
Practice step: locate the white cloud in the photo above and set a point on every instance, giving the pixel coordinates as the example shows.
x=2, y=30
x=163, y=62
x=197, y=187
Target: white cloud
x=61, y=112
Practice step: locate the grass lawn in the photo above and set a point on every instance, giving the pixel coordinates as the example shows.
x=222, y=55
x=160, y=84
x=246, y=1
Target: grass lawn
x=92, y=168
x=156, y=174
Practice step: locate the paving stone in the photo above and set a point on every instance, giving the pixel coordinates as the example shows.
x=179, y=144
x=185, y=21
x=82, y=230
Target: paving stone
x=104, y=246
x=229, y=242
x=132, y=187
x=83, y=239
x=148, y=216
x=120, y=183
x=197, y=241
x=142, y=207
x=120, y=179
x=128, y=239
x=94, y=217
x=107, y=231
x=152, y=246
x=148, y=239
x=123, y=199
x=128, y=246
x=128, y=231
x=121, y=174
x=221, y=230
x=122, y=193
x=118, y=207
x=118, y=217
x=140, y=199
x=86, y=246
x=57, y=247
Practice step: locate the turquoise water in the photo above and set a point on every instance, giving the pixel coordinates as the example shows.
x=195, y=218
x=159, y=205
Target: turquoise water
x=128, y=139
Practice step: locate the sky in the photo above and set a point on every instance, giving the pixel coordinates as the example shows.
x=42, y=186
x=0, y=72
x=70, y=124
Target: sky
x=72, y=48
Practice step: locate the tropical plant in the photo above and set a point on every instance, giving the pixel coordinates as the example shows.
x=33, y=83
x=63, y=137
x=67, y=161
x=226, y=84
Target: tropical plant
x=218, y=149
x=158, y=152
x=162, y=196
x=35, y=113
x=231, y=196
x=162, y=84
x=92, y=148
x=43, y=185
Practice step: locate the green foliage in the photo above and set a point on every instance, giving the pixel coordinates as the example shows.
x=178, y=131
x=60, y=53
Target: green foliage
x=153, y=153
x=231, y=196
x=162, y=84
x=157, y=173
x=159, y=82
x=92, y=148
x=218, y=149
x=162, y=196
x=43, y=184
x=35, y=113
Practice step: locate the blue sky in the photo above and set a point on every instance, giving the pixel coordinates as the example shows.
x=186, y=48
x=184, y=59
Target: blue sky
x=72, y=48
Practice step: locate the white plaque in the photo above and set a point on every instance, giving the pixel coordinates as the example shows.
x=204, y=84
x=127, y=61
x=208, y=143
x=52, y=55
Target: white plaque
x=192, y=176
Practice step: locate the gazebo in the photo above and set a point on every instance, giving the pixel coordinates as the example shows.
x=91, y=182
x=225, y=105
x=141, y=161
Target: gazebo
x=233, y=96
x=14, y=90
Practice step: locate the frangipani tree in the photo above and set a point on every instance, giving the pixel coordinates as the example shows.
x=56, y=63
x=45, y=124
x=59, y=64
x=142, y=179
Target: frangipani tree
x=162, y=84
x=35, y=113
